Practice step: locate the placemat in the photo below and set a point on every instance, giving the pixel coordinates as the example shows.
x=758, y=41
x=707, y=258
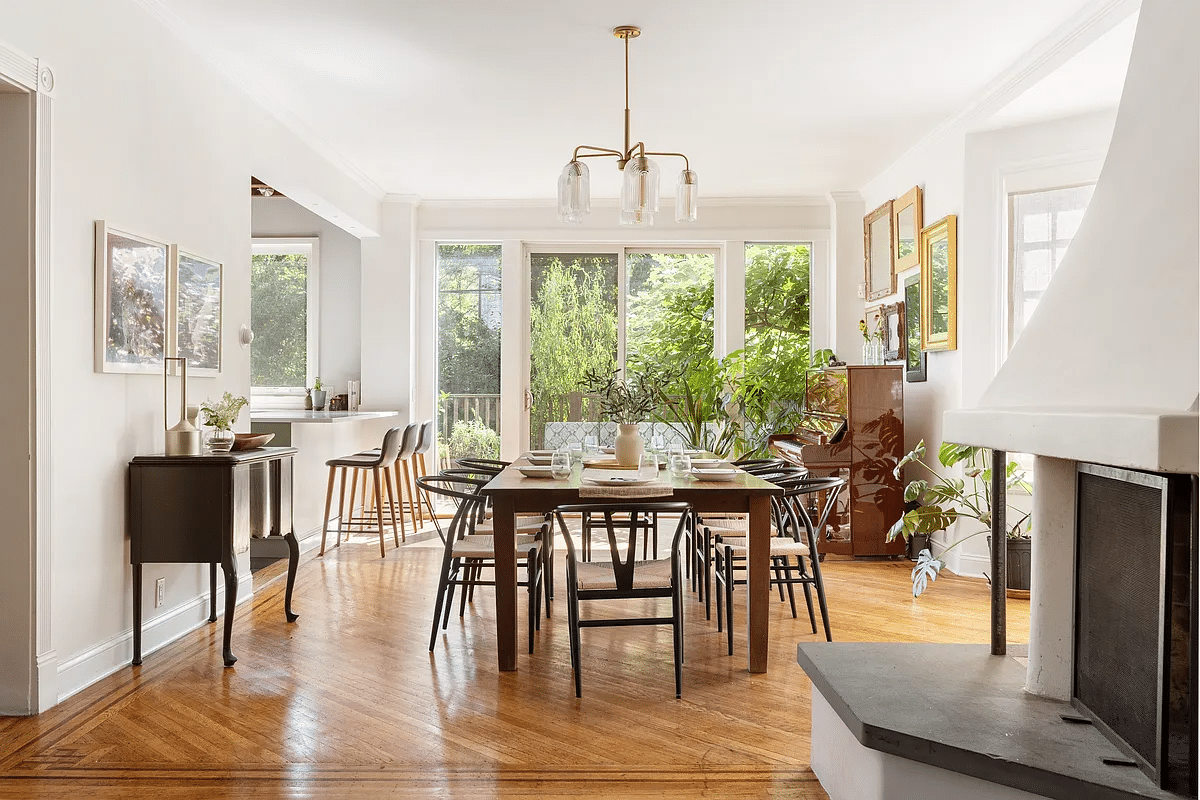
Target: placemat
x=655, y=488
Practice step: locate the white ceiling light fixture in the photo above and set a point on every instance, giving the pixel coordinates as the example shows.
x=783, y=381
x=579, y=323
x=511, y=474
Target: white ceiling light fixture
x=639, y=192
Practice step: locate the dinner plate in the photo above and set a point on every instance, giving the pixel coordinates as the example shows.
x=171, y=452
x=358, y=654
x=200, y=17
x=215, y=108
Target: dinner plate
x=537, y=472
x=705, y=462
x=608, y=449
x=715, y=474
x=541, y=453
x=540, y=461
x=617, y=480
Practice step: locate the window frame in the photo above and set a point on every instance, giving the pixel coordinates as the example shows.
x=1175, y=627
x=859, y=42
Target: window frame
x=309, y=246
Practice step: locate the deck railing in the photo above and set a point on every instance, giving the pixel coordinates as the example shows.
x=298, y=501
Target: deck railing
x=483, y=407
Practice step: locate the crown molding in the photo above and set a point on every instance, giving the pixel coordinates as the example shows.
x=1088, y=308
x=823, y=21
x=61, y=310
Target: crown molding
x=261, y=97
x=1092, y=21
x=799, y=201
x=846, y=197
x=393, y=197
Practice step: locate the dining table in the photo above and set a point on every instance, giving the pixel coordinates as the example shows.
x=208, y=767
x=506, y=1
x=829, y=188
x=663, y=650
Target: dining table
x=512, y=493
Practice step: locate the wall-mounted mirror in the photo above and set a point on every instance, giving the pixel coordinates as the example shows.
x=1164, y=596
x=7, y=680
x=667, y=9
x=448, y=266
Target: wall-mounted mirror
x=907, y=214
x=914, y=356
x=877, y=245
x=939, y=285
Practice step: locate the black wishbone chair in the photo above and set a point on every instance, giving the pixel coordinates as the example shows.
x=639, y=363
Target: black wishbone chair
x=466, y=554
x=624, y=577
x=795, y=537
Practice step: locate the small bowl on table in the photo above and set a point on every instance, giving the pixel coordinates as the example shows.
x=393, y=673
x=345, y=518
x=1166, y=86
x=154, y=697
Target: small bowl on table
x=250, y=441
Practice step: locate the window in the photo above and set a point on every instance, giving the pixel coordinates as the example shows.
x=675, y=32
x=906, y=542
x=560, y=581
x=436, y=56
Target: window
x=1041, y=227
x=284, y=280
x=468, y=360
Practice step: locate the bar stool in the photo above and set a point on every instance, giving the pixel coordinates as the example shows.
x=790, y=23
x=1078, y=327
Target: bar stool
x=377, y=463
x=420, y=469
x=408, y=494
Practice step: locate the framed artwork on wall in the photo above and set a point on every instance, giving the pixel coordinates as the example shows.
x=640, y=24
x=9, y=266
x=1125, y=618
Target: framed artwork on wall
x=893, y=331
x=907, y=222
x=939, y=285
x=914, y=356
x=131, y=295
x=196, y=311
x=877, y=247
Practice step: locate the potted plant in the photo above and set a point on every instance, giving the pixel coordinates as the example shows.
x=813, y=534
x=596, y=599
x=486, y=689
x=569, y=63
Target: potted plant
x=318, y=395
x=625, y=401
x=220, y=416
x=941, y=502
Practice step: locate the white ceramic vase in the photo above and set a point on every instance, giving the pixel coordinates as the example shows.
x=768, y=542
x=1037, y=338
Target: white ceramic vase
x=629, y=446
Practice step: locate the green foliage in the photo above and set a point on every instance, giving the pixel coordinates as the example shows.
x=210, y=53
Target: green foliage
x=222, y=414
x=623, y=401
x=279, y=317
x=469, y=318
x=470, y=438
x=317, y=384
x=947, y=498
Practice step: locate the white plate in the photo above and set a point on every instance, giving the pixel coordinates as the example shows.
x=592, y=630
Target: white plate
x=536, y=472
x=715, y=474
x=540, y=461
x=617, y=480
x=541, y=452
x=705, y=462
x=608, y=449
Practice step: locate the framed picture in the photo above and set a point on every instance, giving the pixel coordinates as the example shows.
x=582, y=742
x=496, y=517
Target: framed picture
x=939, y=285
x=914, y=356
x=131, y=302
x=874, y=319
x=893, y=331
x=877, y=246
x=907, y=223
x=196, y=311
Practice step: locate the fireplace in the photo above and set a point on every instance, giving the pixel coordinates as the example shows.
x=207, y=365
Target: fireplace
x=1134, y=664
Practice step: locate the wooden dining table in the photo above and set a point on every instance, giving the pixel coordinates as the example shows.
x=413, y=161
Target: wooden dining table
x=512, y=493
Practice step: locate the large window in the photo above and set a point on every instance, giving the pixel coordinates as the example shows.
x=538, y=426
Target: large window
x=284, y=278
x=1041, y=227
x=469, y=317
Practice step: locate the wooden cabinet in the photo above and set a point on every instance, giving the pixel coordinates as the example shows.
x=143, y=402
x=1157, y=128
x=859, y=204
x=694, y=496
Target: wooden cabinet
x=870, y=400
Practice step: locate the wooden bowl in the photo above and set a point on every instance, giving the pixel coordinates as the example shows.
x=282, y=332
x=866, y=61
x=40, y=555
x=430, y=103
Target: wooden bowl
x=249, y=441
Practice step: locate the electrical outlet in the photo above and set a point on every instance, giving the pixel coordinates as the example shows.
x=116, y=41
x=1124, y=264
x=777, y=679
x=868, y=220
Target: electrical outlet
x=862, y=290
x=160, y=592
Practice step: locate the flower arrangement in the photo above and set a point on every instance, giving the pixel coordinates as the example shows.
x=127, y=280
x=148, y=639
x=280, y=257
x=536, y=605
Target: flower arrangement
x=222, y=414
x=624, y=401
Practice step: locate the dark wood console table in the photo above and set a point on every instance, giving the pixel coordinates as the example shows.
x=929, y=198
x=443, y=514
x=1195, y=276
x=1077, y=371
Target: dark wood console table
x=201, y=510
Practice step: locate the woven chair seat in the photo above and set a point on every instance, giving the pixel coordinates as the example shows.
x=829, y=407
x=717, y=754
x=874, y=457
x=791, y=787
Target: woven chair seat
x=780, y=546
x=646, y=575
x=522, y=526
x=484, y=547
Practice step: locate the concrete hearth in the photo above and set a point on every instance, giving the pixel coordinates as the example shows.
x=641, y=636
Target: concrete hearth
x=893, y=721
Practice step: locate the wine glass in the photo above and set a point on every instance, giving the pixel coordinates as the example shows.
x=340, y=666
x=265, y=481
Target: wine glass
x=560, y=463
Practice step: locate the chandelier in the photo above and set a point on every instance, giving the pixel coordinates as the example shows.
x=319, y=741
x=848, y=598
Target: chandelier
x=639, y=190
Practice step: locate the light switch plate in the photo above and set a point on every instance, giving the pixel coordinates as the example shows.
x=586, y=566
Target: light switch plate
x=160, y=592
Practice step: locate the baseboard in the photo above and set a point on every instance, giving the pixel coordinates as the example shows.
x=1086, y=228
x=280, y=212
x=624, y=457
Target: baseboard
x=116, y=653
x=47, y=679
x=972, y=566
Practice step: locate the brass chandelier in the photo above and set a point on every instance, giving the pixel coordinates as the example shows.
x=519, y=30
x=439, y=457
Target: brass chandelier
x=639, y=190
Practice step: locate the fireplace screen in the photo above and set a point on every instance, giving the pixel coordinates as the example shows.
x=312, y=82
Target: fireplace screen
x=1133, y=626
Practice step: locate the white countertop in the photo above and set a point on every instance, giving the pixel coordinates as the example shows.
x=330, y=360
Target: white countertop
x=299, y=415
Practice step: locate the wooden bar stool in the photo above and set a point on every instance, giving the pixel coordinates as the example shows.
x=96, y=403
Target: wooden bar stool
x=407, y=493
x=420, y=468
x=377, y=463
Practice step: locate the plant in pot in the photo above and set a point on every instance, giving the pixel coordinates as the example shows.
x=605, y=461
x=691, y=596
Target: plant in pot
x=220, y=416
x=625, y=401
x=318, y=395
x=934, y=505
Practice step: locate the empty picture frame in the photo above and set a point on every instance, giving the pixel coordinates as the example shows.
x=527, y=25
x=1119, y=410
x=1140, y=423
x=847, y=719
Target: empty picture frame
x=196, y=311
x=907, y=223
x=893, y=331
x=877, y=249
x=131, y=296
x=914, y=356
x=939, y=285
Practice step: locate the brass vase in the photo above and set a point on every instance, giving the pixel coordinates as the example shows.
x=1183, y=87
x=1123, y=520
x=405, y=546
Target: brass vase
x=183, y=438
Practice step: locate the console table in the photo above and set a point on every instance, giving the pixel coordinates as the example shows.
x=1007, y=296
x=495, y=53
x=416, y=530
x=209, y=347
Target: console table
x=201, y=510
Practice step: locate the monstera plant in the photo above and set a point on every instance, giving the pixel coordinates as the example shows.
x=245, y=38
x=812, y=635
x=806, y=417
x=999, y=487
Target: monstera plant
x=937, y=501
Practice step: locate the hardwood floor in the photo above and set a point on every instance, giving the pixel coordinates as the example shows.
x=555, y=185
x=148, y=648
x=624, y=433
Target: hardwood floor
x=348, y=702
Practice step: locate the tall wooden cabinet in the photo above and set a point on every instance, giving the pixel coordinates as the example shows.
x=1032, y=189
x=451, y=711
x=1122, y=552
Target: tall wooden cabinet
x=870, y=399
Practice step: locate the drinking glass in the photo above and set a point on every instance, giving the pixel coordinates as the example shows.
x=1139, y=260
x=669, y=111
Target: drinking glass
x=575, y=449
x=648, y=466
x=657, y=443
x=680, y=461
x=591, y=446
x=560, y=463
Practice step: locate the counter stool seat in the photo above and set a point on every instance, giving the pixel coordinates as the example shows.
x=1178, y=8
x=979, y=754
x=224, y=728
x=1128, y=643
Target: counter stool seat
x=379, y=464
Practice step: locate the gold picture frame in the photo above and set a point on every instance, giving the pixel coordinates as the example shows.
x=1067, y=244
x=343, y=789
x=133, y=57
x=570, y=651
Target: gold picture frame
x=878, y=245
x=939, y=285
x=907, y=221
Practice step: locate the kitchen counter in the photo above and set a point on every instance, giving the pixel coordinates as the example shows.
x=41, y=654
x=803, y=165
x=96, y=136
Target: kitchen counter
x=290, y=416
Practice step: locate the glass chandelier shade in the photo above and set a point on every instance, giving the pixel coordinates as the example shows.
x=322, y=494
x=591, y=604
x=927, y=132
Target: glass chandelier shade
x=685, y=196
x=639, y=191
x=574, y=192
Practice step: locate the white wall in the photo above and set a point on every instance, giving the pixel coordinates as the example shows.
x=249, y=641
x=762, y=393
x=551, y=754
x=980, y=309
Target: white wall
x=150, y=138
x=340, y=283
x=968, y=174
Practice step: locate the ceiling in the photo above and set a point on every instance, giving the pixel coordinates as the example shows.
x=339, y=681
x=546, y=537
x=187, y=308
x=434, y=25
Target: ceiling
x=462, y=99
